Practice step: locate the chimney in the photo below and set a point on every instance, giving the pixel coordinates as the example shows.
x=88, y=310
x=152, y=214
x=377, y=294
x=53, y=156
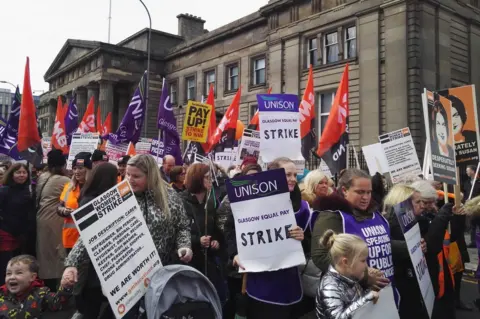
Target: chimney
x=189, y=26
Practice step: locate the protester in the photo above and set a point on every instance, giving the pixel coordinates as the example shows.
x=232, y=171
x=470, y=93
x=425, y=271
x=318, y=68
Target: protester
x=122, y=167
x=81, y=165
x=164, y=215
x=340, y=294
x=273, y=294
x=316, y=185
x=167, y=165
x=379, y=189
x=24, y=295
x=90, y=297
x=473, y=209
x=17, y=214
x=177, y=178
x=349, y=210
x=99, y=157
x=50, y=251
x=207, y=238
x=225, y=222
x=411, y=303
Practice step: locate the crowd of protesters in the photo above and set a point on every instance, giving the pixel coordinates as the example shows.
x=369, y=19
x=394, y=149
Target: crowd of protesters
x=178, y=201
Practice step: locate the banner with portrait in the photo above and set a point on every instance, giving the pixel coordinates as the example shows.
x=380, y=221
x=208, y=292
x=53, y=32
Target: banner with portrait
x=437, y=111
x=464, y=124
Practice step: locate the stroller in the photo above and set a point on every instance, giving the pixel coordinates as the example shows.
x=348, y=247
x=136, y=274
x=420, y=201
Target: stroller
x=179, y=291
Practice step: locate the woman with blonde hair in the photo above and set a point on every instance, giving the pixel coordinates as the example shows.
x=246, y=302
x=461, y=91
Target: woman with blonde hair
x=316, y=184
x=163, y=212
x=433, y=231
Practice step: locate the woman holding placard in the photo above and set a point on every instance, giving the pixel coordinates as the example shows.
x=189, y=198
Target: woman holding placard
x=163, y=212
x=273, y=294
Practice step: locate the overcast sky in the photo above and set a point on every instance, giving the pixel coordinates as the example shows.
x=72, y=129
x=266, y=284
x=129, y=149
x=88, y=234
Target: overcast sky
x=39, y=28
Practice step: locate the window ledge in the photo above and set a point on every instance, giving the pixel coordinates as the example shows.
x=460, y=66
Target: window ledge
x=331, y=65
x=230, y=92
x=257, y=86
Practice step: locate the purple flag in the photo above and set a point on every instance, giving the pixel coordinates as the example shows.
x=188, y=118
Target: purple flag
x=167, y=123
x=130, y=128
x=8, y=140
x=3, y=126
x=71, y=119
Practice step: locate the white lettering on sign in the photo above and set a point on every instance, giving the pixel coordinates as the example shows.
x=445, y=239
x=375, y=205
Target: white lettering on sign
x=306, y=107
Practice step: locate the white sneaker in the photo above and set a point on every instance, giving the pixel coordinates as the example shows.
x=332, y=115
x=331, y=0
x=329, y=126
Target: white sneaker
x=77, y=315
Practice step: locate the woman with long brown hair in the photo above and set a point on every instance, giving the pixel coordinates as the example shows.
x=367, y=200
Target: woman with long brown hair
x=17, y=214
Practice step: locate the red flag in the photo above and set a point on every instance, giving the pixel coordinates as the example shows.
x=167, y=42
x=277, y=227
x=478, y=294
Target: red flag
x=99, y=120
x=59, y=137
x=107, y=125
x=228, y=124
x=131, y=149
x=335, y=135
x=28, y=134
x=307, y=116
x=65, y=109
x=88, y=122
x=213, y=118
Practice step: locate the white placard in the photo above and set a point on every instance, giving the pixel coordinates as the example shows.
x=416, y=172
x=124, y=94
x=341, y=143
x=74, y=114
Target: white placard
x=115, y=151
x=82, y=142
x=400, y=153
x=120, y=246
x=143, y=146
x=375, y=158
x=249, y=146
x=383, y=309
x=224, y=159
x=263, y=214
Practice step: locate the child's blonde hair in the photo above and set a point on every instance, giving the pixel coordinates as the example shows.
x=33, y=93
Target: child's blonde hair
x=28, y=260
x=341, y=246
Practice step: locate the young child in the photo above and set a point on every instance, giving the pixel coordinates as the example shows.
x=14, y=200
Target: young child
x=24, y=296
x=339, y=294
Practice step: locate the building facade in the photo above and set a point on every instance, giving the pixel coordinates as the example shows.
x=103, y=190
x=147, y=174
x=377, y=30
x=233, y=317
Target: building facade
x=394, y=48
x=6, y=100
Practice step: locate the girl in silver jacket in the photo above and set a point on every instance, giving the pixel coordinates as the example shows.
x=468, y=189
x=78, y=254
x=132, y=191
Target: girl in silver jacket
x=339, y=294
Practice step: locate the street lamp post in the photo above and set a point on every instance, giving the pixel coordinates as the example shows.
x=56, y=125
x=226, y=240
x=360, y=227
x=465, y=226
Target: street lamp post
x=6, y=82
x=147, y=89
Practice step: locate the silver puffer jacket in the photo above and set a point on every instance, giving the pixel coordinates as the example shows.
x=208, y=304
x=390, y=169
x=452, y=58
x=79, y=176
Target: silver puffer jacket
x=338, y=297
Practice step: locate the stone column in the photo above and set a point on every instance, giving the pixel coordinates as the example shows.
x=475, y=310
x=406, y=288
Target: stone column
x=81, y=102
x=92, y=91
x=123, y=98
x=106, y=100
x=52, y=107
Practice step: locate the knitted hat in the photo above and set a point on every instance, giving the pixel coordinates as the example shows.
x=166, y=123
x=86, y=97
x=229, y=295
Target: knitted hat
x=55, y=158
x=99, y=156
x=123, y=160
x=83, y=159
x=248, y=160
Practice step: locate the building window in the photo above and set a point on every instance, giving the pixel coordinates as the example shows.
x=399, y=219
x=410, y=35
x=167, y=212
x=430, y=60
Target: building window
x=259, y=71
x=350, y=42
x=209, y=80
x=173, y=93
x=330, y=53
x=232, y=77
x=312, y=52
x=253, y=110
x=190, y=88
x=325, y=101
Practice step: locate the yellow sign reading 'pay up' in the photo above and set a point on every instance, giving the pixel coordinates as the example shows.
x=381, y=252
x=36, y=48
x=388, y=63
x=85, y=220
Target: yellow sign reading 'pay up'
x=197, y=120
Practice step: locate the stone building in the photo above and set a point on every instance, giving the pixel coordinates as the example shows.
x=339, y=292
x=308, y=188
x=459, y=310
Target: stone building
x=394, y=48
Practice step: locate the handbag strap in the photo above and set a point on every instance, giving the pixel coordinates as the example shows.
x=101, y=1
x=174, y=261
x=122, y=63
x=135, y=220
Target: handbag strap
x=39, y=197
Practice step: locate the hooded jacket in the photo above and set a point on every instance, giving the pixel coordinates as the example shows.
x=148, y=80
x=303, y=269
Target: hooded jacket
x=32, y=303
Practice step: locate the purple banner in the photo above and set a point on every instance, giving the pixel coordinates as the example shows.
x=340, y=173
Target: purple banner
x=277, y=102
x=8, y=140
x=131, y=126
x=3, y=126
x=262, y=184
x=406, y=218
x=71, y=119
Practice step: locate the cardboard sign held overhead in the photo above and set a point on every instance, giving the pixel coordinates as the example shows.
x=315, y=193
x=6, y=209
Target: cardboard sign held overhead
x=197, y=120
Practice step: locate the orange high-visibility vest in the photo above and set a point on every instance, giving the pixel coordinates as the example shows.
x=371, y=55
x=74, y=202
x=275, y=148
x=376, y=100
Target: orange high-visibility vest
x=69, y=232
x=443, y=255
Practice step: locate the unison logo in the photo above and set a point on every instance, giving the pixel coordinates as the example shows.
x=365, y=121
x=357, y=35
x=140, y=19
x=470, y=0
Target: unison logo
x=271, y=102
x=254, y=188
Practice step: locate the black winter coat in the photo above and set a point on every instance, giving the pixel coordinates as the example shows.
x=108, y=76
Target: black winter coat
x=17, y=210
x=432, y=229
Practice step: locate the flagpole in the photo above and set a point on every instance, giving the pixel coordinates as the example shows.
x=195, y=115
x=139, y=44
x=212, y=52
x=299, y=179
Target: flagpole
x=148, y=65
x=109, y=19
